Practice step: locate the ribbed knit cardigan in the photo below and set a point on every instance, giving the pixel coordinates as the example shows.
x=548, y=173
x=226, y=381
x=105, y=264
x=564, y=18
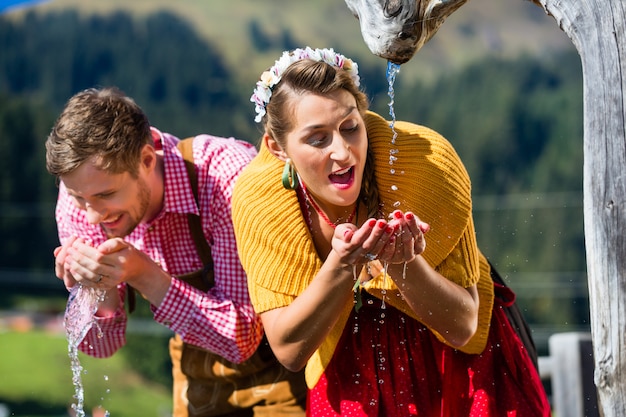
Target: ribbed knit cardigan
x=278, y=254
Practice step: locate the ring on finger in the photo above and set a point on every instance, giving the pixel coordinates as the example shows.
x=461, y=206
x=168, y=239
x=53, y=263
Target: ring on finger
x=370, y=256
x=99, y=278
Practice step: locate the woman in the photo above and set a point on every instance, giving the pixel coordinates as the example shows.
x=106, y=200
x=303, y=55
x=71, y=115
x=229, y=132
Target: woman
x=331, y=220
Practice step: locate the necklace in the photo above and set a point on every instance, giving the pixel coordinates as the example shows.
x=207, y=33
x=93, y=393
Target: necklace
x=319, y=211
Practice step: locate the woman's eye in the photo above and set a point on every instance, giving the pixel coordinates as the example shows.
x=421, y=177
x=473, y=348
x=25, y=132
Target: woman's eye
x=317, y=140
x=351, y=128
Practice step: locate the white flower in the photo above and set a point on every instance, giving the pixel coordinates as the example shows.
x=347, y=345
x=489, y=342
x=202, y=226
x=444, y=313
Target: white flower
x=263, y=91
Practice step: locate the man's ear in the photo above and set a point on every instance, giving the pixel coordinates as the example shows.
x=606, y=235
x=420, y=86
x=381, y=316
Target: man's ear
x=274, y=147
x=148, y=158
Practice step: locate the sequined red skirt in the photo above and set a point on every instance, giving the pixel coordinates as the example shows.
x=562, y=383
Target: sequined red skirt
x=389, y=365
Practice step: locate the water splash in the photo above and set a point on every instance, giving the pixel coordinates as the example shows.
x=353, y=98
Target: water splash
x=78, y=320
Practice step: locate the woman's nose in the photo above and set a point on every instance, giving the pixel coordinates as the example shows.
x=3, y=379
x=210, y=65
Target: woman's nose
x=341, y=150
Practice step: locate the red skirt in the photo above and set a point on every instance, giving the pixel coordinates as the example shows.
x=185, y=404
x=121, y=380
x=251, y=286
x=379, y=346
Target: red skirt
x=387, y=364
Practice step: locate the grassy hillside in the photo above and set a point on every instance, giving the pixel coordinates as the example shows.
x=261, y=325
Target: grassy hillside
x=42, y=380
x=501, y=27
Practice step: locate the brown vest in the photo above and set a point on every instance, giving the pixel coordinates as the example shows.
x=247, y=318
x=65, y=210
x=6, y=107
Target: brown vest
x=207, y=385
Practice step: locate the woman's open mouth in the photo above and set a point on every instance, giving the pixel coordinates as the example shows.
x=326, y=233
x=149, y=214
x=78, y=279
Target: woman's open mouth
x=343, y=178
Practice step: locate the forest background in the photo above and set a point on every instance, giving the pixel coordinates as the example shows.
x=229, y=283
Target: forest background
x=499, y=80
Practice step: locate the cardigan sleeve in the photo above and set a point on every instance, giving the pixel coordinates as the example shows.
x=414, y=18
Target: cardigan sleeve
x=429, y=178
x=274, y=244
x=462, y=263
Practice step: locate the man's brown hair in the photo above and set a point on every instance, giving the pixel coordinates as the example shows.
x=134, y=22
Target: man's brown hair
x=104, y=123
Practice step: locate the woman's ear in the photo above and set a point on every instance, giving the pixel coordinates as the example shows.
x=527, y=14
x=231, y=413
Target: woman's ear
x=274, y=147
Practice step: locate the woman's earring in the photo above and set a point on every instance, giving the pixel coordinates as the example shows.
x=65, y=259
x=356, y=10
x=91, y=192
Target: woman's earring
x=289, y=176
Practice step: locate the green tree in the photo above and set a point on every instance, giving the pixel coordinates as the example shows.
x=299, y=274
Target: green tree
x=185, y=90
x=27, y=193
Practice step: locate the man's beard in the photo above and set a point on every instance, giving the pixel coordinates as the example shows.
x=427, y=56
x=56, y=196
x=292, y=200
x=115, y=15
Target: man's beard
x=144, y=194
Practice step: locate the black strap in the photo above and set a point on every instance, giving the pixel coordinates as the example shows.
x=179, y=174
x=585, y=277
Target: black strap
x=195, y=222
x=516, y=318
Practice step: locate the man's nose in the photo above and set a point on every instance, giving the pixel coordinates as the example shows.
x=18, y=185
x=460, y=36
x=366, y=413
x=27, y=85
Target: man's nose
x=94, y=215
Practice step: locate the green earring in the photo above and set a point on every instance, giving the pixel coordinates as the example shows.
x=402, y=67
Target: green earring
x=289, y=176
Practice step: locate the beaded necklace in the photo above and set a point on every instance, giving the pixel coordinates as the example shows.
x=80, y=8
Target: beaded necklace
x=319, y=211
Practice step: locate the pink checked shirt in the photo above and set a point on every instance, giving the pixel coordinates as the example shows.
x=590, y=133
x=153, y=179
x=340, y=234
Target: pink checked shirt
x=221, y=320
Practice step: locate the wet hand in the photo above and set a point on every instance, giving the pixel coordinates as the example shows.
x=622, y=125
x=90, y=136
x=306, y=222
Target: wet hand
x=111, y=263
x=409, y=240
x=129, y=264
x=60, y=259
x=87, y=266
x=361, y=245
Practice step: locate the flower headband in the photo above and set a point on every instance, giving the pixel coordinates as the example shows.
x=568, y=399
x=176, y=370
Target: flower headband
x=271, y=77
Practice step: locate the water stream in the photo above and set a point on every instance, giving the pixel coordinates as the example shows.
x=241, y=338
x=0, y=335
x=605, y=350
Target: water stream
x=79, y=318
x=392, y=72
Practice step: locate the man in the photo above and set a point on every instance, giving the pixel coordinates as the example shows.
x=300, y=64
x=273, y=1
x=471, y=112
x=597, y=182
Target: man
x=128, y=220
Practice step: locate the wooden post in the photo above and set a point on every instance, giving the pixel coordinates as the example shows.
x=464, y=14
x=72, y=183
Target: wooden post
x=598, y=30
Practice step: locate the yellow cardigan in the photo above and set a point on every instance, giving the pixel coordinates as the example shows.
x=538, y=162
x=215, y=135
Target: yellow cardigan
x=278, y=255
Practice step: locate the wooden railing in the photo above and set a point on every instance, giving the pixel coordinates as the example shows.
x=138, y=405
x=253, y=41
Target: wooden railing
x=569, y=369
